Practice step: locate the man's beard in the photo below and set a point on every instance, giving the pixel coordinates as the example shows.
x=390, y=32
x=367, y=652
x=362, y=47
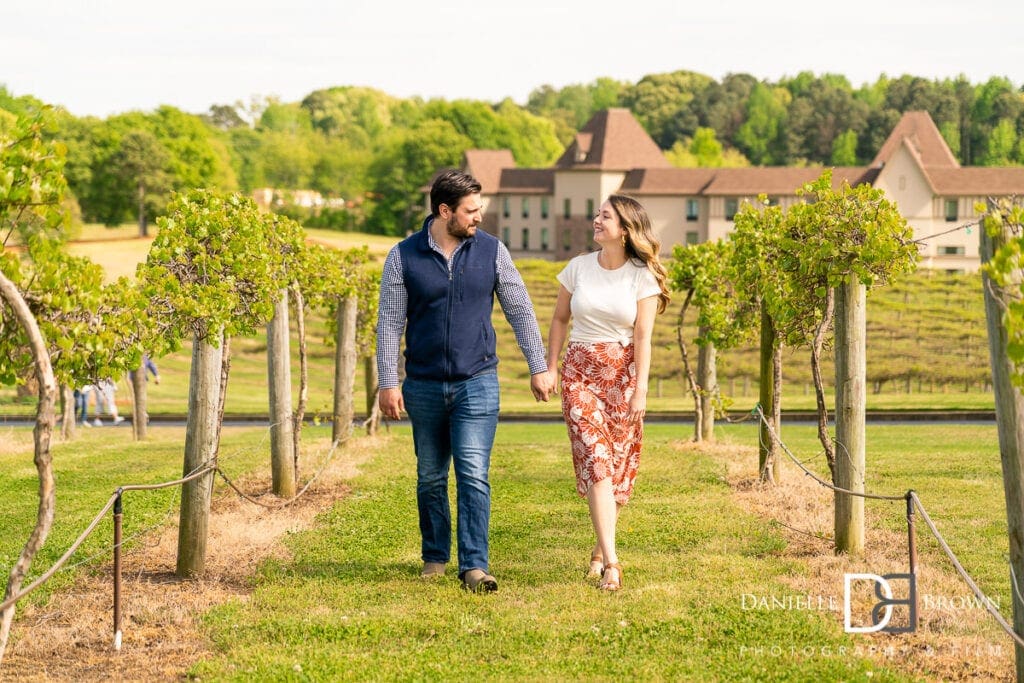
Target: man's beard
x=456, y=230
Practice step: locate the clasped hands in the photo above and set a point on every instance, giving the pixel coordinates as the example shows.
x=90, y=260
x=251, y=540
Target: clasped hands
x=544, y=384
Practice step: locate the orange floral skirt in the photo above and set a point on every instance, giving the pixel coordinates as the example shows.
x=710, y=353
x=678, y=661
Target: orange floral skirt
x=597, y=382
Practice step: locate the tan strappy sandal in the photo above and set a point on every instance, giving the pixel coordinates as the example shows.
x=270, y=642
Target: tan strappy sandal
x=596, y=566
x=608, y=583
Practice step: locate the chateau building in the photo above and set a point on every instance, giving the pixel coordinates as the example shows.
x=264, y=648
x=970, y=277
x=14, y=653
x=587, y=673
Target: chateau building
x=547, y=212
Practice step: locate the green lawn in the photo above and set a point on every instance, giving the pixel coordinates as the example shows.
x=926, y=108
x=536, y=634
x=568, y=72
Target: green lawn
x=87, y=471
x=349, y=605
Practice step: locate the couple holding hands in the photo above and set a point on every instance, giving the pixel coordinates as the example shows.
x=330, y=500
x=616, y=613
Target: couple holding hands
x=438, y=286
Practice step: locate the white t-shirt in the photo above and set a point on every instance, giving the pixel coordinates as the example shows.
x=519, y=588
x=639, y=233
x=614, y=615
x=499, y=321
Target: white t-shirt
x=603, y=303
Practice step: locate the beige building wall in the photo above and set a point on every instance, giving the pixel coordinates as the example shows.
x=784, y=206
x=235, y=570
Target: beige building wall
x=538, y=228
x=668, y=220
x=905, y=184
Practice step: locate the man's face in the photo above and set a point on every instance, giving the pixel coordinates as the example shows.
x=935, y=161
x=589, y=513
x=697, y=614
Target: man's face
x=464, y=219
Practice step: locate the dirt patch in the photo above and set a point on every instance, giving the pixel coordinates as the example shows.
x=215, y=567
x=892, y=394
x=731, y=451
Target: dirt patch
x=951, y=643
x=71, y=637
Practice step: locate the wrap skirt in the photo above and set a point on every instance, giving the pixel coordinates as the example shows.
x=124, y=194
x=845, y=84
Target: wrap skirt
x=598, y=380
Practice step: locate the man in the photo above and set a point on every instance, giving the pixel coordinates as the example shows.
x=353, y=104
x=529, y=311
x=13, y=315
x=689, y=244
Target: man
x=439, y=286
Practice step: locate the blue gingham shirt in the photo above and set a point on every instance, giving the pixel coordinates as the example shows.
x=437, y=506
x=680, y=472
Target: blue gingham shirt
x=512, y=295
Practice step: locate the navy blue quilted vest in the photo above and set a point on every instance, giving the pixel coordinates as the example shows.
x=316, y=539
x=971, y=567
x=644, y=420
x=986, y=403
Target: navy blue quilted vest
x=449, y=335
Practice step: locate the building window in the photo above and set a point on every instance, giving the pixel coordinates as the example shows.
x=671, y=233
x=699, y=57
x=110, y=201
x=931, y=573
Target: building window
x=772, y=201
x=543, y=207
x=567, y=208
x=566, y=238
x=950, y=250
x=526, y=207
x=590, y=209
x=526, y=239
x=543, y=239
x=951, y=210
x=692, y=210
x=731, y=207
x=692, y=237
x=506, y=236
x=506, y=209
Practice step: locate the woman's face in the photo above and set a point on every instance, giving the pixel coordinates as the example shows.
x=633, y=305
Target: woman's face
x=607, y=228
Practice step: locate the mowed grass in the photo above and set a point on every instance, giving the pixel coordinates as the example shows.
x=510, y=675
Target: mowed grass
x=87, y=471
x=349, y=604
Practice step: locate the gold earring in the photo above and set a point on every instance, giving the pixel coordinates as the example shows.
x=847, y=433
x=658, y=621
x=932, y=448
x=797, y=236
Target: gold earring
x=623, y=239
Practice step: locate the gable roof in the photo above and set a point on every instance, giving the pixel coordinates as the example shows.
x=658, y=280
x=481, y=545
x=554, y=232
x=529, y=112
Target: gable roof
x=918, y=130
x=776, y=180
x=612, y=140
x=978, y=181
x=486, y=166
x=653, y=181
x=527, y=181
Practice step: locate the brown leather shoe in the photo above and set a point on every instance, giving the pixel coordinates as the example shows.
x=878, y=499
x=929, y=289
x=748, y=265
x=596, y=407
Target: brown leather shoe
x=432, y=569
x=479, y=581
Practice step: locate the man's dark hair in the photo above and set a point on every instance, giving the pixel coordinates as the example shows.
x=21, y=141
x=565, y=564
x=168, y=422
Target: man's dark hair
x=449, y=188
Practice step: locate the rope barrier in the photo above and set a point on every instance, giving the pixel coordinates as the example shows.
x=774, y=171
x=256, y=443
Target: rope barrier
x=45, y=576
x=913, y=498
x=284, y=503
x=812, y=475
x=963, y=573
x=964, y=226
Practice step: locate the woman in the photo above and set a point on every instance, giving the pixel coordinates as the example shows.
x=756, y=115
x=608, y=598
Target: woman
x=612, y=296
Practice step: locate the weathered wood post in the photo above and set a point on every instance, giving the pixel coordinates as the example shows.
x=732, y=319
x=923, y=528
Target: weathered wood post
x=279, y=384
x=768, y=451
x=851, y=394
x=200, y=447
x=1010, y=423
x=140, y=399
x=707, y=378
x=345, y=368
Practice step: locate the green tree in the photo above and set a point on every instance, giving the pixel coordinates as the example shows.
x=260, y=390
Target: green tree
x=31, y=191
x=407, y=162
x=844, y=149
x=662, y=104
x=1001, y=146
x=724, y=313
x=758, y=136
x=211, y=274
x=142, y=160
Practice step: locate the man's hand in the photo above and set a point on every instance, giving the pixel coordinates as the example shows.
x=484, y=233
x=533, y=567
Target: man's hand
x=541, y=385
x=391, y=403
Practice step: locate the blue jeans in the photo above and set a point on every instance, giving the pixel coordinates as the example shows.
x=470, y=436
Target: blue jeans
x=453, y=422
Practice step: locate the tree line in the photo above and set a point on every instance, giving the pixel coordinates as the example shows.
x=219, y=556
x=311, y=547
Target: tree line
x=373, y=152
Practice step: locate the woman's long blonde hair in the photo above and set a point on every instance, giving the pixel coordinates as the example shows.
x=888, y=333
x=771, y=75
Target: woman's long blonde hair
x=640, y=242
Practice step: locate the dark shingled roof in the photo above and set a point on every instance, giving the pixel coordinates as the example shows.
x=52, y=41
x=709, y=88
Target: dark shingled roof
x=612, y=141
x=527, y=181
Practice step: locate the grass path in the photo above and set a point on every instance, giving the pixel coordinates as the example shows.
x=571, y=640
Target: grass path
x=349, y=603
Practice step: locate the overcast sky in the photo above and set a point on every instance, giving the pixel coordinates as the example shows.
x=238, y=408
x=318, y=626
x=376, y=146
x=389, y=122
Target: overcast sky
x=102, y=57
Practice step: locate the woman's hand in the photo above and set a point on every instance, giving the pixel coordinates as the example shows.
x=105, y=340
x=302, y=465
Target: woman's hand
x=637, y=405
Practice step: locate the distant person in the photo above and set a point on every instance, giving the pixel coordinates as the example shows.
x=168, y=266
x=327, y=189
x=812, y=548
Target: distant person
x=612, y=296
x=149, y=368
x=106, y=401
x=438, y=285
x=82, y=405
